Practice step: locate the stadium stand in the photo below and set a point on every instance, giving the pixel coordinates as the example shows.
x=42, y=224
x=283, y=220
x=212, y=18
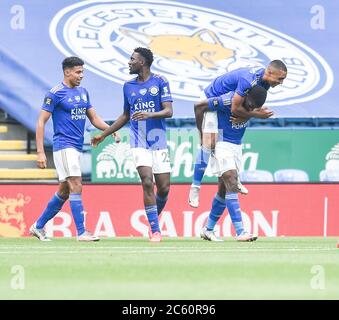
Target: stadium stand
x=27, y=174
x=12, y=145
x=291, y=175
x=329, y=175
x=16, y=160
x=256, y=176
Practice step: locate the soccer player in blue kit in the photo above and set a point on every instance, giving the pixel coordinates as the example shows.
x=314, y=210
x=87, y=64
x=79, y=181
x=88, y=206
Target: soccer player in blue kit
x=240, y=81
x=69, y=105
x=147, y=102
x=228, y=154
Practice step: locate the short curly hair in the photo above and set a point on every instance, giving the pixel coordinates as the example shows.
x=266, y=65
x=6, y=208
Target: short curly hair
x=71, y=62
x=258, y=95
x=146, y=53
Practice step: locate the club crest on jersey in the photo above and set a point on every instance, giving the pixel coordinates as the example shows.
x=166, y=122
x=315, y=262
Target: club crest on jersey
x=192, y=45
x=154, y=90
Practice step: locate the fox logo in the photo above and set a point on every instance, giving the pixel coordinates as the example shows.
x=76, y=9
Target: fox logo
x=192, y=46
x=202, y=46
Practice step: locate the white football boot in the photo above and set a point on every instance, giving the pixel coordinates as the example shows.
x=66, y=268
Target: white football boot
x=87, y=236
x=209, y=235
x=245, y=237
x=39, y=233
x=193, y=199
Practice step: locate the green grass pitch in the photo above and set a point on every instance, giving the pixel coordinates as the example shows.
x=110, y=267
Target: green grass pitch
x=177, y=268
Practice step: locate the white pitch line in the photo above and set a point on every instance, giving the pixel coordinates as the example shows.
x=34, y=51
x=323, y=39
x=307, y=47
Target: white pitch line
x=217, y=246
x=175, y=251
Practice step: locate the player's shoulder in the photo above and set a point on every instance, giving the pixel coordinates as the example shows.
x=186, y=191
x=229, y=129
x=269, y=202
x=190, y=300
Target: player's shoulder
x=82, y=89
x=160, y=77
x=256, y=71
x=131, y=81
x=57, y=88
x=129, y=84
x=251, y=75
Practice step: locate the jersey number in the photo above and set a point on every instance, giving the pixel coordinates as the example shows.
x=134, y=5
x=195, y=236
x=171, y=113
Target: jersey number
x=165, y=157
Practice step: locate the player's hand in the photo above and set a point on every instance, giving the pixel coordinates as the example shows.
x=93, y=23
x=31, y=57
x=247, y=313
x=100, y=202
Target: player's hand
x=263, y=113
x=96, y=140
x=141, y=115
x=116, y=137
x=42, y=160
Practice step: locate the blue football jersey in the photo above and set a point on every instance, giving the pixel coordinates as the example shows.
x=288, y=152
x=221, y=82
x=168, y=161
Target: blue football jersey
x=227, y=131
x=239, y=80
x=147, y=97
x=68, y=107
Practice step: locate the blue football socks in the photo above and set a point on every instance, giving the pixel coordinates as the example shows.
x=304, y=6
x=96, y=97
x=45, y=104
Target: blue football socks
x=218, y=207
x=200, y=165
x=53, y=207
x=233, y=208
x=152, y=217
x=77, y=212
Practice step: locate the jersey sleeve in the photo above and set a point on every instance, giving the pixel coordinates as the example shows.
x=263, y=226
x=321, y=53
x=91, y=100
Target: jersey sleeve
x=88, y=101
x=126, y=103
x=221, y=103
x=50, y=102
x=165, y=91
x=243, y=86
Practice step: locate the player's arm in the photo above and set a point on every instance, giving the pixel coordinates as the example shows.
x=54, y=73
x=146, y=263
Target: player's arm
x=40, y=132
x=116, y=125
x=166, y=112
x=238, y=110
x=99, y=123
x=199, y=109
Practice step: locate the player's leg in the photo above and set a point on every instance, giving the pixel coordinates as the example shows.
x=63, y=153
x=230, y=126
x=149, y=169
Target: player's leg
x=218, y=208
x=143, y=160
x=77, y=208
x=227, y=160
x=209, y=137
x=146, y=176
x=71, y=172
x=54, y=205
x=230, y=179
x=161, y=170
x=162, y=181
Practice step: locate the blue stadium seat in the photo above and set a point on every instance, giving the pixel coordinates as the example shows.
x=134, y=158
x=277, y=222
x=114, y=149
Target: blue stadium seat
x=256, y=176
x=291, y=175
x=329, y=175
